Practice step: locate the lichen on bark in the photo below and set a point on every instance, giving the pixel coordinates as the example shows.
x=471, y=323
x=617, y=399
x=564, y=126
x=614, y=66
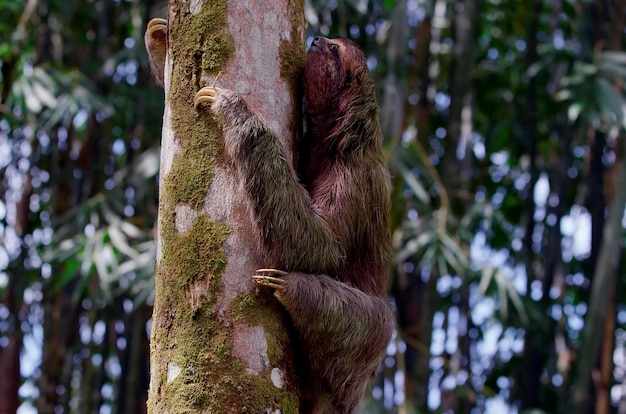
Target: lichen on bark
x=193, y=368
x=186, y=332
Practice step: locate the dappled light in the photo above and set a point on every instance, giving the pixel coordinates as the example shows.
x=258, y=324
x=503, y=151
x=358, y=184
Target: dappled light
x=505, y=131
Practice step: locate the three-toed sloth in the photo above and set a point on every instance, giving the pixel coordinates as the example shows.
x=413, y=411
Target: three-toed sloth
x=326, y=223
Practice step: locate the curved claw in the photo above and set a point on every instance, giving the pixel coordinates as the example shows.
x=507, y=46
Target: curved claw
x=265, y=279
x=272, y=282
x=155, y=25
x=274, y=271
x=208, y=94
x=155, y=21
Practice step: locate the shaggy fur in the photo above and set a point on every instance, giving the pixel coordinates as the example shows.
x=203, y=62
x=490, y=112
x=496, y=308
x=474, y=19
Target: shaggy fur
x=328, y=228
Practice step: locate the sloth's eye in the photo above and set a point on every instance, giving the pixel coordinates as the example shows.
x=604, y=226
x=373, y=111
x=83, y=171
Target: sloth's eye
x=332, y=46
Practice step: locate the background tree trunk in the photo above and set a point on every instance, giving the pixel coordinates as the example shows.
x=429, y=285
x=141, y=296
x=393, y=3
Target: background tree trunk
x=457, y=172
x=216, y=345
x=605, y=276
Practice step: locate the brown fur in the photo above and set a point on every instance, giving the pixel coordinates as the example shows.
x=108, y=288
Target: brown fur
x=329, y=229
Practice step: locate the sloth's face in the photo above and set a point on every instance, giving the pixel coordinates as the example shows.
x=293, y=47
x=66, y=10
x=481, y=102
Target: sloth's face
x=332, y=65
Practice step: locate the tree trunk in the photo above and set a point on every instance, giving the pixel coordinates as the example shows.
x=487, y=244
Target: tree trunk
x=456, y=165
x=392, y=110
x=133, y=388
x=605, y=276
x=216, y=344
x=10, y=379
x=606, y=366
x=60, y=327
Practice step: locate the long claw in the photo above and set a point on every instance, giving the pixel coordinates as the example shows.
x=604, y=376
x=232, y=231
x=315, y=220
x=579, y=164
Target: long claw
x=204, y=99
x=156, y=21
x=208, y=94
x=269, y=282
x=274, y=271
x=156, y=25
x=263, y=279
x=267, y=277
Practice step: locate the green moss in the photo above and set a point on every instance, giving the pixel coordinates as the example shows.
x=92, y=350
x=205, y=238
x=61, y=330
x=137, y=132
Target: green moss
x=274, y=349
x=202, y=39
x=254, y=311
x=201, y=46
x=192, y=171
x=261, y=394
x=240, y=305
x=292, y=56
x=255, y=394
x=191, y=336
x=187, y=330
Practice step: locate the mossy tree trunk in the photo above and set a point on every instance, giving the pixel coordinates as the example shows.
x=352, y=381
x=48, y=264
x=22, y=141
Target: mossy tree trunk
x=216, y=344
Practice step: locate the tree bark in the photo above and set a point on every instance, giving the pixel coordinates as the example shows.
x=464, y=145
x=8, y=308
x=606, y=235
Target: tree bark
x=456, y=165
x=216, y=344
x=11, y=379
x=606, y=365
x=605, y=276
x=133, y=388
x=394, y=97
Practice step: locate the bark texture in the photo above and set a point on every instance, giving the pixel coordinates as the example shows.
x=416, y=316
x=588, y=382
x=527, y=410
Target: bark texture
x=216, y=345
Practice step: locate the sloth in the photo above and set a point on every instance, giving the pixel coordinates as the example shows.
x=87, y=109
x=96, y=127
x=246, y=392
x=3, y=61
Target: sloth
x=325, y=224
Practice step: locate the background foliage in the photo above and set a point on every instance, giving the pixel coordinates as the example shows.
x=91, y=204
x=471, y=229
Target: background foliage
x=504, y=124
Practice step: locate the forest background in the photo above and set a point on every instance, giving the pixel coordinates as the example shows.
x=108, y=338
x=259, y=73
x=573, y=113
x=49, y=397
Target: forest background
x=504, y=123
